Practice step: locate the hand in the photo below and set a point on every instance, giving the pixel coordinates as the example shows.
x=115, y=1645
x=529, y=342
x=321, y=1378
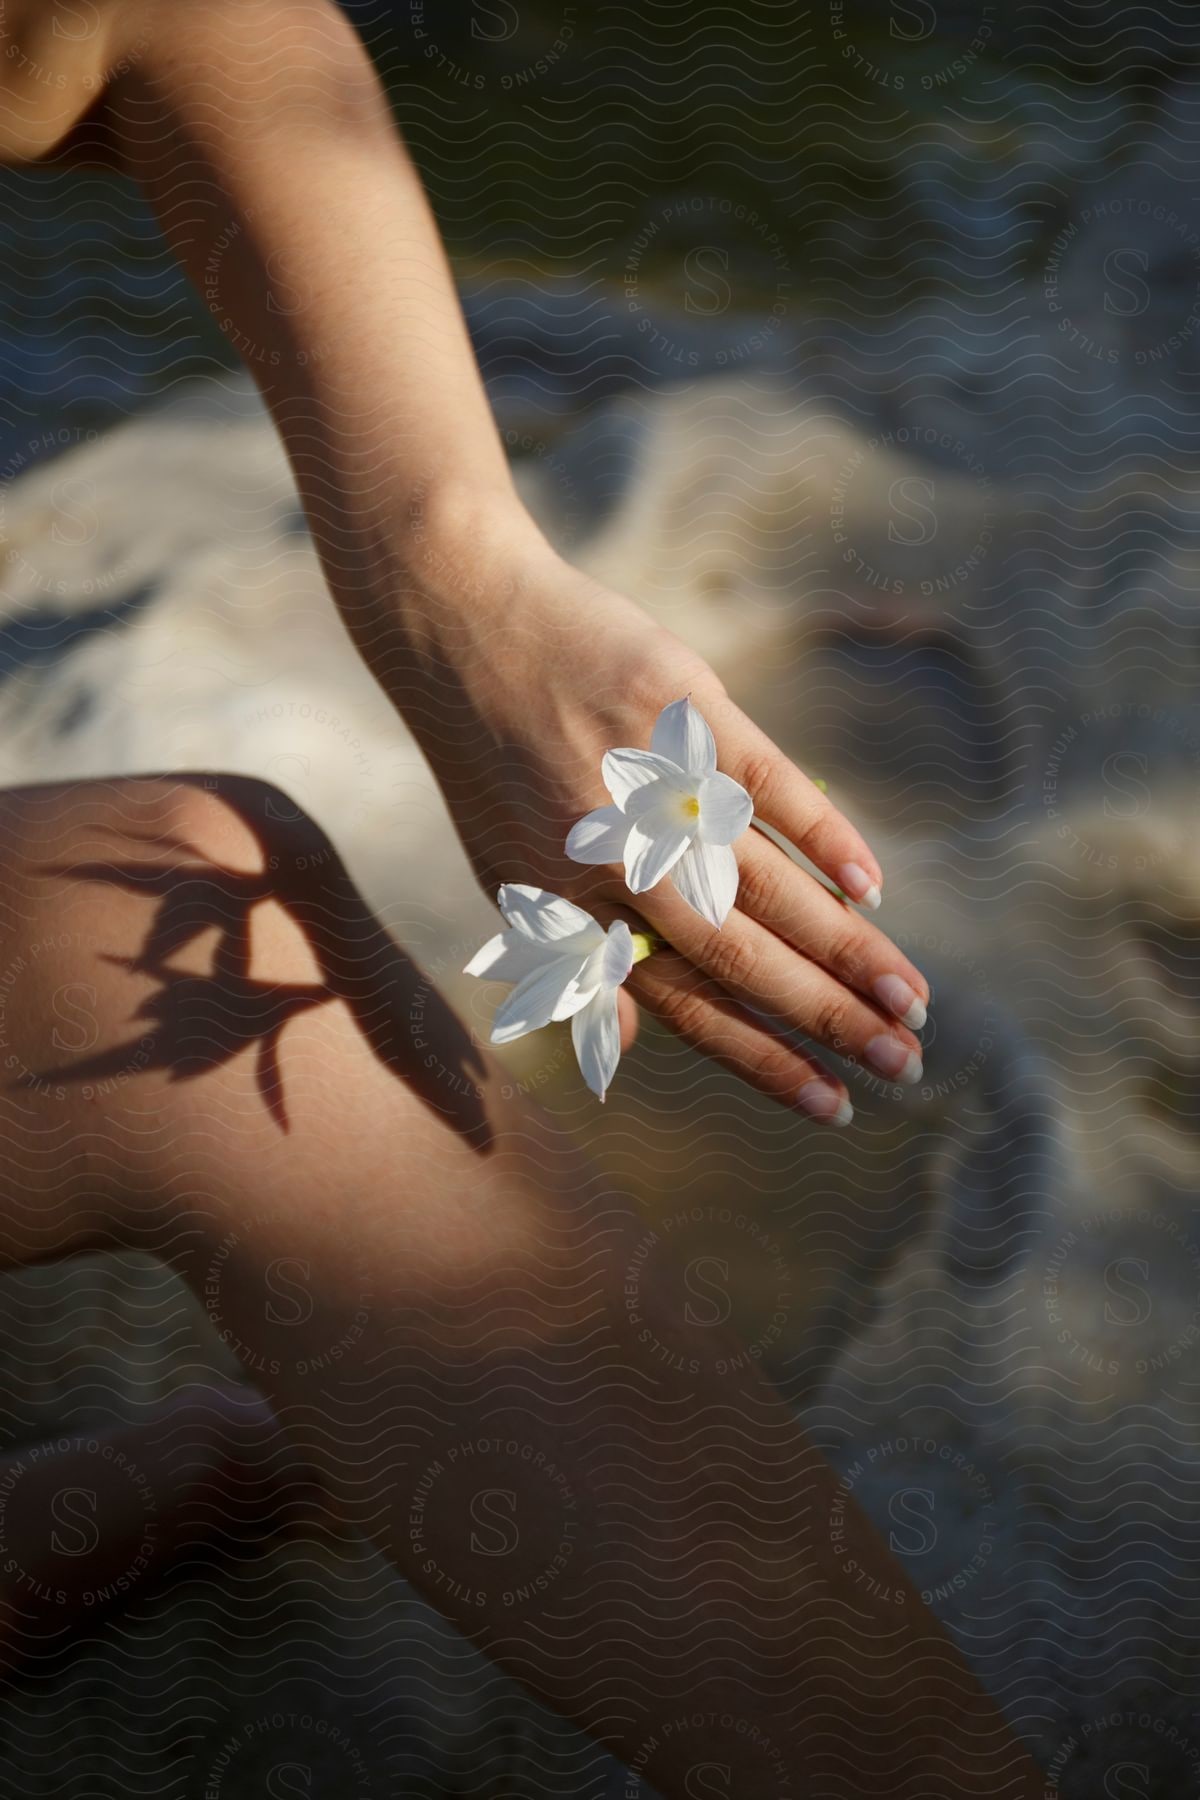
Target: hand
x=536, y=671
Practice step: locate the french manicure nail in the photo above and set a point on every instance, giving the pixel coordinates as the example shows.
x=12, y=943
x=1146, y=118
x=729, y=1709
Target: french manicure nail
x=855, y=881
x=820, y=1101
x=900, y=999
x=894, y=1060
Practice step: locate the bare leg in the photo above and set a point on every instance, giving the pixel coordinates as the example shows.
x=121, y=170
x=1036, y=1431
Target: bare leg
x=433, y=1291
x=89, y=1516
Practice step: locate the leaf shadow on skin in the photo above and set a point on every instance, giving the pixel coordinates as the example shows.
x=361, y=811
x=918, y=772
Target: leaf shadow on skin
x=197, y=1022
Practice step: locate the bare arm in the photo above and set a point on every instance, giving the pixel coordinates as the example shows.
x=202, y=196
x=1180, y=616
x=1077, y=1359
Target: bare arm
x=259, y=131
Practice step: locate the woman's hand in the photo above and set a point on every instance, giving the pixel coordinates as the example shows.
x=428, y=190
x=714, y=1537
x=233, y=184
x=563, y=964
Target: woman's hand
x=529, y=672
x=515, y=672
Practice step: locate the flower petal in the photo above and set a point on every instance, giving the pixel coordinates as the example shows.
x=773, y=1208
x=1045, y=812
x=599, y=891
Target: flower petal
x=606, y=967
x=616, y=958
x=534, y=1002
x=543, y=917
x=509, y=956
x=682, y=735
x=653, y=847
x=726, y=809
x=596, y=1035
x=625, y=771
x=586, y=982
x=599, y=837
x=707, y=877
x=670, y=792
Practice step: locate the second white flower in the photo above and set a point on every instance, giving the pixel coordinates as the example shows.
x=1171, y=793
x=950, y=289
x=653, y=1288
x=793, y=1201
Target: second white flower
x=672, y=814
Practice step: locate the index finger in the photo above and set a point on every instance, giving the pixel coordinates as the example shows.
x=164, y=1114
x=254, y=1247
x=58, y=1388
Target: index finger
x=699, y=1011
x=795, y=807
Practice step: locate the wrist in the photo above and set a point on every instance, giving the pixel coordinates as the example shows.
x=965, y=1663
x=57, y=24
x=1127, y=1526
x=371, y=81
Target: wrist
x=462, y=576
x=469, y=546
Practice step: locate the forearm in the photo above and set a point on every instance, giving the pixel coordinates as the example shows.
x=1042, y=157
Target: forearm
x=261, y=135
x=263, y=139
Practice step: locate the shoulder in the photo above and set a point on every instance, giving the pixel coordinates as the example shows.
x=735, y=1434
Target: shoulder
x=57, y=57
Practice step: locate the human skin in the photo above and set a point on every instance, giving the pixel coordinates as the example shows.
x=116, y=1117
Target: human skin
x=225, y=1059
x=287, y=1118
x=260, y=133
x=90, y=1515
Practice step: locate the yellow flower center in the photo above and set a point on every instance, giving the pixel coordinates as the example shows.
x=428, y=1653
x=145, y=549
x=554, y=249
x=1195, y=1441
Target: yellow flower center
x=691, y=808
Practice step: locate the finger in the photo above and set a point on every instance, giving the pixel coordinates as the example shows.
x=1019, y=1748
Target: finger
x=792, y=993
x=707, y=1018
x=627, y=1018
x=800, y=812
x=781, y=896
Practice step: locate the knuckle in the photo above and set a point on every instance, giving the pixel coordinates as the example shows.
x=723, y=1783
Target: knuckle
x=762, y=888
x=815, y=813
x=732, y=961
x=687, y=1010
x=657, y=680
x=844, y=948
x=761, y=774
x=833, y=1022
x=777, y=1069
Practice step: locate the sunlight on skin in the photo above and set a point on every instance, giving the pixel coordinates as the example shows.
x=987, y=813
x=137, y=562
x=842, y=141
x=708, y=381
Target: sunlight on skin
x=459, y=1215
x=264, y=1095
x=466, y=616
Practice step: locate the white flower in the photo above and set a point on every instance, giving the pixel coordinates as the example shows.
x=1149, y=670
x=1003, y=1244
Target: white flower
x=565, y=966
x=672, y=814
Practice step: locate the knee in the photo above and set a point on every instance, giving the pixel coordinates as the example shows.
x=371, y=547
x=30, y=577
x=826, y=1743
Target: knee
x=235, y=822
x=242, y=822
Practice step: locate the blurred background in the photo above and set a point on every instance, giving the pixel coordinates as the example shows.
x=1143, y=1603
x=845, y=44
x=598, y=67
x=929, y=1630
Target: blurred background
x=861, y=344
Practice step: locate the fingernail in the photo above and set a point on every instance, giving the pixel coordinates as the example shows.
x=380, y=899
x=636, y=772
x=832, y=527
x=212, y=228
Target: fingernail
x=900, y=999
x=894, y=1060
x=820, y=1101
x=855, y=881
